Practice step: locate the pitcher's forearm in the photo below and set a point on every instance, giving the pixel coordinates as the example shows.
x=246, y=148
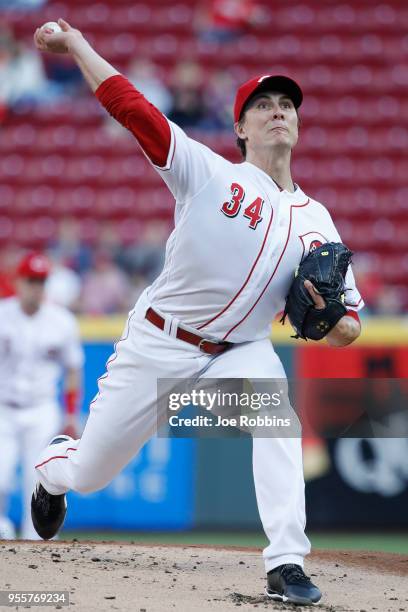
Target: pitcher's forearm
x=344, y=332
x=94, y=68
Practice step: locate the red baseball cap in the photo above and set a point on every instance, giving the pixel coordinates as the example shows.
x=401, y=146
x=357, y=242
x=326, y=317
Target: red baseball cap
x=34, y=265
x=267, y=82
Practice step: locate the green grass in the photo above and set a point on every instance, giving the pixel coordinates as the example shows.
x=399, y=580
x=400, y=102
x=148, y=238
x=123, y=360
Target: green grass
x=385, y=542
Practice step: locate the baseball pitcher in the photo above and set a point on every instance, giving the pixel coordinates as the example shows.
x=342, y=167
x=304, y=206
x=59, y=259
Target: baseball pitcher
x=241, y=231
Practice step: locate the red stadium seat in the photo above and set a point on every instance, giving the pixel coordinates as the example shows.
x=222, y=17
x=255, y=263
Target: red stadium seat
x=39, y=200
x=34, y=233
x=7, y=199
x=6, y=229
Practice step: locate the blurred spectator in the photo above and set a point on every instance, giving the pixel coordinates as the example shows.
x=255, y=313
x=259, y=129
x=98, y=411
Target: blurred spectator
x=187, y=87
x=22, y=75
x=64, y=74
x=109, y=240
x=106, y=288
x=69, y=248
x=110, y=280
x=144, y=260
x=219, y=93
x=225, y=20
x=63, y=286
x=138, y=284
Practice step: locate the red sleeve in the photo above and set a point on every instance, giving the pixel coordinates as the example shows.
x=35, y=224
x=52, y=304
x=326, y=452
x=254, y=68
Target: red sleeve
x=354, y=315
x=134, y=112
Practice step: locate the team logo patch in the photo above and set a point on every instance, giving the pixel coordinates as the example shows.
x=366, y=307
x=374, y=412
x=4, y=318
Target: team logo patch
x=312, y=241
x=315, y=245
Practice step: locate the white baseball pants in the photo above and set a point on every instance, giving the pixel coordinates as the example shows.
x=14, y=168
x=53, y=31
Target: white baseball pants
x=123, y=416
x=23, y=434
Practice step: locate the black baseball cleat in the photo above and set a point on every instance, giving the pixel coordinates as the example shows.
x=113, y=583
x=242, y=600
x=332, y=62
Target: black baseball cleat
x=289, y=583
x=48, y=511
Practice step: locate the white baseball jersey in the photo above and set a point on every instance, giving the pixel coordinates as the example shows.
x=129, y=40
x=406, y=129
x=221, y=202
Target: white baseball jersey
x=237, y=241
x=33, y=351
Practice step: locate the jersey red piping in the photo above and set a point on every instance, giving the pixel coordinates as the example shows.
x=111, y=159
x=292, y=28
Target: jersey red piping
x=273, y=273
x=112, y=358
x=50, y=459
x=246, y=281
x=355, y=305
x=56, y=457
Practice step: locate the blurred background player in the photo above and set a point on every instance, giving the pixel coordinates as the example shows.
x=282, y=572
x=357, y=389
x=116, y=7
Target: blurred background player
x=38, y=342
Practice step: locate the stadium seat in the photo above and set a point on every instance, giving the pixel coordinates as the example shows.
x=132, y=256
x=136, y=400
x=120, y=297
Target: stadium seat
x=7, y=199
x=6, y=229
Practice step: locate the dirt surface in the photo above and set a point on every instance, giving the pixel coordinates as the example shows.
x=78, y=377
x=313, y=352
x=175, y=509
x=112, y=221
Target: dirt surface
x=107, y=576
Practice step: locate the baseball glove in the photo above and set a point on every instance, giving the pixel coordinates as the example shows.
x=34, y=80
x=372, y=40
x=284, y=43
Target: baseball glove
x=326, y=268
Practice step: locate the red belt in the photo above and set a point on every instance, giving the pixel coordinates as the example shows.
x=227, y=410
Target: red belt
x=212, y=347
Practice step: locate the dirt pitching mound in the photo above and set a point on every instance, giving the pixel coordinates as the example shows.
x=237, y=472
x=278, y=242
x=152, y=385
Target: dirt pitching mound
x=135, y=577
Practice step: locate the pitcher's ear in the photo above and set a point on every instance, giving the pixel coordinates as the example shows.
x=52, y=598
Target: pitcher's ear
x=239, y=128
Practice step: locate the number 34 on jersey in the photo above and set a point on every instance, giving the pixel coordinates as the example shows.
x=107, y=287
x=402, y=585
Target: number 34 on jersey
x=253, y=211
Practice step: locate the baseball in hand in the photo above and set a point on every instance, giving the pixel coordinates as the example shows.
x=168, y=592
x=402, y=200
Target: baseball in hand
x=51, y=25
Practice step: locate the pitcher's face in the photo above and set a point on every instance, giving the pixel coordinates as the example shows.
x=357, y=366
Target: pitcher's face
x=269, y=120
